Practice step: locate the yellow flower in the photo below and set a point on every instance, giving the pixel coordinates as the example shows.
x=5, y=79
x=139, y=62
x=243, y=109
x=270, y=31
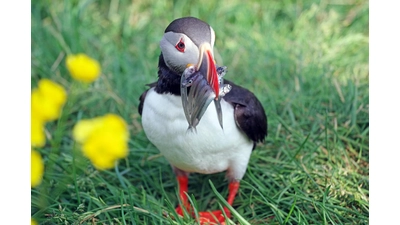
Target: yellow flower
x=33, y=222
x=104, y=139
x=84, y=128
x=38, y=137
x=47, y=100
x=37, y=168
x=83, y=68
x=53, y=91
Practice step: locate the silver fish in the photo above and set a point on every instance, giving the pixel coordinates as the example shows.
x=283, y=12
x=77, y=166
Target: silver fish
x=200, y=95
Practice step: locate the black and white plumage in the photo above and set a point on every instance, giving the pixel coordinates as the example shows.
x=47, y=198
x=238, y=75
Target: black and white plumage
x=211, y=149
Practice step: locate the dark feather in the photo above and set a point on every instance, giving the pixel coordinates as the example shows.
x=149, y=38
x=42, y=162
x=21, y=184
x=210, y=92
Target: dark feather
x=249, y=113
x=198, y=30
x=168, y=80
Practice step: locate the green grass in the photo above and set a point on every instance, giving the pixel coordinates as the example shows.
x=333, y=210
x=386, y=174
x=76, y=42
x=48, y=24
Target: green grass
x=306, y=61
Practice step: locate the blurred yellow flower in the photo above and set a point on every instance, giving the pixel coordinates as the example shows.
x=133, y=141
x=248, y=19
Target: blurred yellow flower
x=38, y=137
x=33, y=222
x=83, y=68
x=84, y=128
x=104, y=139
x=37, y=168
x=47, y=100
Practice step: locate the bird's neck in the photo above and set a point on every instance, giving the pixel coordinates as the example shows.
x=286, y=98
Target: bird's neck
x=168, y=80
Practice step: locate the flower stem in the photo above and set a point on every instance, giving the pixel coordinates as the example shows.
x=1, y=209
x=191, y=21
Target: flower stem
x=74, y=173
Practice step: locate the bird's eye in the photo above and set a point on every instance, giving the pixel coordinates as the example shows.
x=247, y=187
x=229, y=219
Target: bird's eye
x=180, y=46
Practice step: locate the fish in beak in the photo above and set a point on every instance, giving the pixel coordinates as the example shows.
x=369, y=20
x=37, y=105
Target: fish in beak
x=206, y=66
x=206, y=84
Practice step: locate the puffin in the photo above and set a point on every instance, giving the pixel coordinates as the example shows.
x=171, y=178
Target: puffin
x=225, y=133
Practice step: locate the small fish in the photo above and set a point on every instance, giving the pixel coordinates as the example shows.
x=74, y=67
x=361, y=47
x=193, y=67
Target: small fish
x=196, y=102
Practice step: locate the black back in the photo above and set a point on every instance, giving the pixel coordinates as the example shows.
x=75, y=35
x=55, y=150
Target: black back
x=249, y=113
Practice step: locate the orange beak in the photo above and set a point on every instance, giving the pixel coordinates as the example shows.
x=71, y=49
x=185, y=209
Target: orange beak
x=206, y=65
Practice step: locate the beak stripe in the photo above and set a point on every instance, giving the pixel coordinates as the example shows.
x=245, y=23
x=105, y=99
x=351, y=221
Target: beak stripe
x=212, y=76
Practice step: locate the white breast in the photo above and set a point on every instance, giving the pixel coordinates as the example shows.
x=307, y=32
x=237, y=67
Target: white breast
x=209, y=150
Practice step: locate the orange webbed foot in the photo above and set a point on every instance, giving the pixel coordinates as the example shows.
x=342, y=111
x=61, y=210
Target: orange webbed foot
x=208, y=217
x=213, y=217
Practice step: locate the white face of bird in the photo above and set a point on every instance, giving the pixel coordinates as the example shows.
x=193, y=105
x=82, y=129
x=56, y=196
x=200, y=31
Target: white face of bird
x=179, y=51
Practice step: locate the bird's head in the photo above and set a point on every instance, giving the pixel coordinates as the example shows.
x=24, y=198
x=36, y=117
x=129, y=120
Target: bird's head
x=189, y=41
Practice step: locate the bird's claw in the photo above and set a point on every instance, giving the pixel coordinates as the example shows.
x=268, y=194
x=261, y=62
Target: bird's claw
x=206, y=218
x=213, y=217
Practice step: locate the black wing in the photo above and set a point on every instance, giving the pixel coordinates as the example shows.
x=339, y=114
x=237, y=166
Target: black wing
x=248, y=111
